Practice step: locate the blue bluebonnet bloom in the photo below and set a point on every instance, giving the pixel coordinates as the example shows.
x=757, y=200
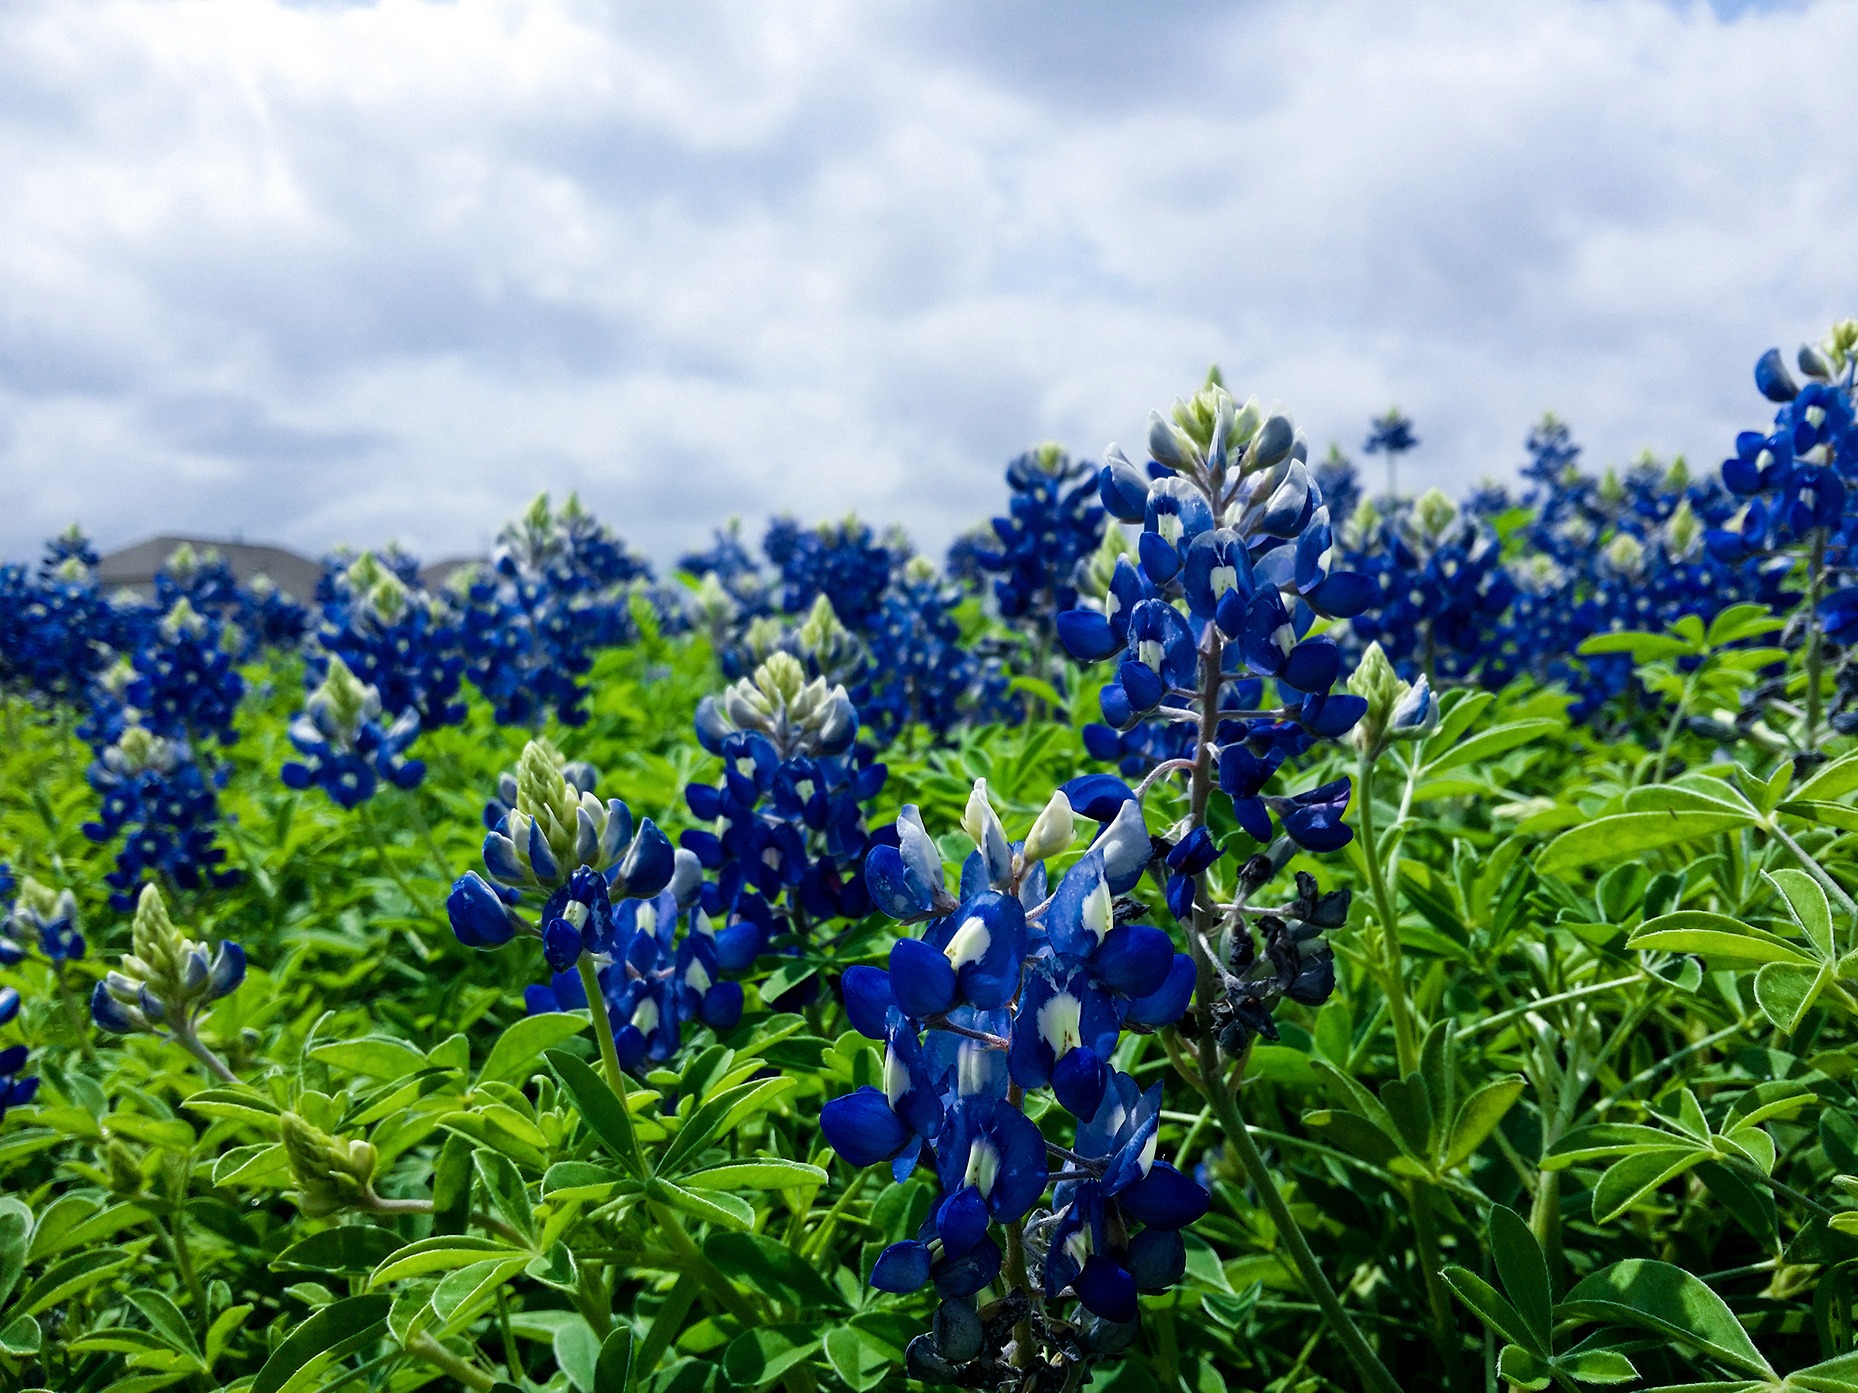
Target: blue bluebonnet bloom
x=844, y=561
x=1052, y=523
x=558, y=587
x=1233, y=573
x=345, y=747
x=611, y=899
x=156, y=797
x=392, y=634
x=44, y=918
x=921, y=674
x=17, y=1088
x=166, y=981
x=1441, y=588
x=788, y=833
x=1010, y=988
x=57, y=629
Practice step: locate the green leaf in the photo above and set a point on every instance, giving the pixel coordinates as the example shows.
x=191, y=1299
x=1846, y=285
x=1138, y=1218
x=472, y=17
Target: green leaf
x=1724, y=941
x=337, y=1329
x=614, y=1371
x=604, y=1112
x=509, y=1197
x=1479, y=1115
x=583, y=1180
x=1807, y=906
x=1488, y=744
x=1525, y=1275
x=1786, y=992
x=1826, y=814
x=351, y=1250
x=1830, y=781
x=63, y=1280
x=1604, y=1139
x=21, y=1337
x=15, y=1238
x=246, y=1165
x=1632, y=834
x=772, y=1269
x=376, y=1056
x=1489, y=1305
x=859, y=1357
x=720, y=1115
x=1644, y=648
x=757, y=1357
x=1521, y=1369
x=1631, y=1178
x=441, y=1253
x=770, y=1174
x=577, y=1353
x=461, y=1294
x=521, y=1044
x=1658, y=1297
x=1601, y=1366
x=728, y=1211
x=166, y=1320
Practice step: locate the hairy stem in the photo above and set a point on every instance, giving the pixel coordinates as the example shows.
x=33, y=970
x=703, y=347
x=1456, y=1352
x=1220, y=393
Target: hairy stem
x=1406, y=1044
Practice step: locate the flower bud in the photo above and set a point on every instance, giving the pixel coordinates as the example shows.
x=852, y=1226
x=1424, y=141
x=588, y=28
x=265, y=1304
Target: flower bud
x=1052, y=832
x=331, y=1174
x=1415, y=713
x=982, y=824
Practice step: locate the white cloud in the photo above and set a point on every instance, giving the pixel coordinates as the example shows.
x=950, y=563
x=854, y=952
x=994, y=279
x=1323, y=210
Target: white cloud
x=324, y=272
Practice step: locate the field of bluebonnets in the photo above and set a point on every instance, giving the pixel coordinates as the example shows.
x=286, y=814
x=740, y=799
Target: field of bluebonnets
x=1231, y=925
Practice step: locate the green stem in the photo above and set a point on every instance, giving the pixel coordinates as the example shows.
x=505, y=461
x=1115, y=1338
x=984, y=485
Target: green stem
x=1226, y=1108
x=184, y=1037
x=435, y=1354
x=603, y=1027
x=1406, y=1044
x=1426, y=1240
x=1815, y=653
x=1817, y=871
x=705, y=1271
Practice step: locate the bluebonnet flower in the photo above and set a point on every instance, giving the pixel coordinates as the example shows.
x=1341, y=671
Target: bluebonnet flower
x=558, y=587
x=736, y=572
x=921, y=674
x=1233, y=572
x=17, y=1088
x=1441, y=586
x=57, y=630
x=155, y=796
x=393, y=636
x=182, y=681
x=611, y=897
x=789, y=831
x=346, y=750
x=1391, y=435
x=1052, y=523
x=843, y=561
x=1010, y=988
x=47, y=918
x=166, y=981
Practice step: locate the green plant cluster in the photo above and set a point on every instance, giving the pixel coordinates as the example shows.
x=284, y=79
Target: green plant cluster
x=1581, y=1113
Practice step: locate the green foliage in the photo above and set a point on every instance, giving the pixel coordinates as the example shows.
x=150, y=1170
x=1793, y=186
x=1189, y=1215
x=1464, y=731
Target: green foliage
x=1581, y=1113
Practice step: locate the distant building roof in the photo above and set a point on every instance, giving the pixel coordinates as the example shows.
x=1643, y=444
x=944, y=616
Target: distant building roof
x=135, y=567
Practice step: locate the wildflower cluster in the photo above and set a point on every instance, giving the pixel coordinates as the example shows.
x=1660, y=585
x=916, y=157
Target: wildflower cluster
x=392, y=635
x=558, y=586
x=57, y=630
x=1011, y=989
x=612, y=897
x=346, y=748
x=1052, y=524
x=789, y=832
x=1233, y=572
x=166, y=981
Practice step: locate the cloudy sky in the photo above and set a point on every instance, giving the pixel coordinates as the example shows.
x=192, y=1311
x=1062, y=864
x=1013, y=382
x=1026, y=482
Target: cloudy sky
x=315, y=272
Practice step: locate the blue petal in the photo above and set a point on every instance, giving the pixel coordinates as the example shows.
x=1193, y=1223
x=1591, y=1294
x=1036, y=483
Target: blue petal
x=866, y=993
x=1134, y=959
x=1165, y=1005
x=1106, y=1288
x=921, y=979
x=1164, y=1198
x=862, y=1128
x=902, y=1267
x=1087, y=635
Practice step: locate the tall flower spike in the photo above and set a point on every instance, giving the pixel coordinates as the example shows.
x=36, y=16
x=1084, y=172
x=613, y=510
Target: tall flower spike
x=166, y=981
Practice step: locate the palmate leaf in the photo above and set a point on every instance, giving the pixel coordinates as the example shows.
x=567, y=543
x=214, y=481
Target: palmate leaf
x=1524, y=1272
x=603, y=1111
x=1631, y=1178
x=1724, y=941
x=337, y=1329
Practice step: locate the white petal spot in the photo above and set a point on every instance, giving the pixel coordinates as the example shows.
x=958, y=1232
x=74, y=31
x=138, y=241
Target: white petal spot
x=969, y=944
x=1060, y=1023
